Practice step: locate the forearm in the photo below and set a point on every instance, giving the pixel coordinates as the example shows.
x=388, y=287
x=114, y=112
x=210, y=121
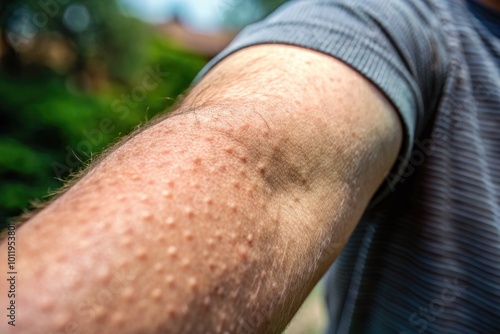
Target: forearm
x=183, y=214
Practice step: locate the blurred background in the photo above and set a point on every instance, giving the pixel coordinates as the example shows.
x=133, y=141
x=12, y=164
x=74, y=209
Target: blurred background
x=77, y=75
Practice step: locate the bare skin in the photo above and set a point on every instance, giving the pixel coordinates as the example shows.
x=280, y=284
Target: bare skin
x=220, y=218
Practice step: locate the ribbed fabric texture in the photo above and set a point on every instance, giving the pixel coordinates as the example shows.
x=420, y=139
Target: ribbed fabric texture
x=426, y=258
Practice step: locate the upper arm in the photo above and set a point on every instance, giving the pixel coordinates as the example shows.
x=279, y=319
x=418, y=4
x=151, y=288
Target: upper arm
x=330, y=124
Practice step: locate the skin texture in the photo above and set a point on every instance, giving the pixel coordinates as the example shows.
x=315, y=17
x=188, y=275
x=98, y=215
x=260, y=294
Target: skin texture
x=220, y=218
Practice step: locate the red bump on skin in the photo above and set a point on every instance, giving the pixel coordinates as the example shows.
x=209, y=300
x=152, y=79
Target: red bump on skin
x=117, y=319
x=46, y=304
x=171, y=311
x=166, y=194
x=192, y=282
x=185, y=263
x=146, y=215
x=158, y=267
x=188, y=235
x=60, y=320
x=197, y=161
x=170, y=221
x=261, y=168
x=206, y=301
x=170, y=183
x=103, y=275
x=100, y=313
x=229, y=150
x=169, y=279
x=160, y=237
x=141, y=253
x=172, y=250
x=128, y=294
x=242, y=253
x=189, y=212
x=244, y=127
x=212, y=266
x=156, y=294
x=209, y=200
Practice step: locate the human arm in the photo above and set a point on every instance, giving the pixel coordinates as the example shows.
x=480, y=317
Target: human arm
x=236, y=204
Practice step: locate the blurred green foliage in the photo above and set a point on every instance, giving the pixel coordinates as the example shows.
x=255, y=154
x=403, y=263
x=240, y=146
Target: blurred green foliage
x=54, y=118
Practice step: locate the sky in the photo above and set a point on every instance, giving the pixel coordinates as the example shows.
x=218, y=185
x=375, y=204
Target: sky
x=198, y=14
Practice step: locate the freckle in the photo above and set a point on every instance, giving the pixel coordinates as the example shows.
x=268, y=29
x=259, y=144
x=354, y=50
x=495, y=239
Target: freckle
x=296, y=198
x=170, y=183
x=188, y=235
x=243, y=159
x=209, y=200
x=166, y=194
x=141, y=253
x=128, y=294
x=192, y=282
x=156, y=294
x=169, y=279
x=236, y=184
x=209, y=139
x=229, y=150
x=143, y=197
x=158, y=267
x=197, y=161
x=244, y=127
x=172, y=250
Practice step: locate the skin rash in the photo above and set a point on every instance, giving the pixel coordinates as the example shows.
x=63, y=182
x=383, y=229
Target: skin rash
x=220, y=218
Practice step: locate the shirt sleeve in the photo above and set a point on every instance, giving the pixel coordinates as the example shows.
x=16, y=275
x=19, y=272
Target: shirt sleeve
x=397, y=45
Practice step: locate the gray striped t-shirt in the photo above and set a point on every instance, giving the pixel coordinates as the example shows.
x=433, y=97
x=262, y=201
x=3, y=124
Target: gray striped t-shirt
x=426, y=255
